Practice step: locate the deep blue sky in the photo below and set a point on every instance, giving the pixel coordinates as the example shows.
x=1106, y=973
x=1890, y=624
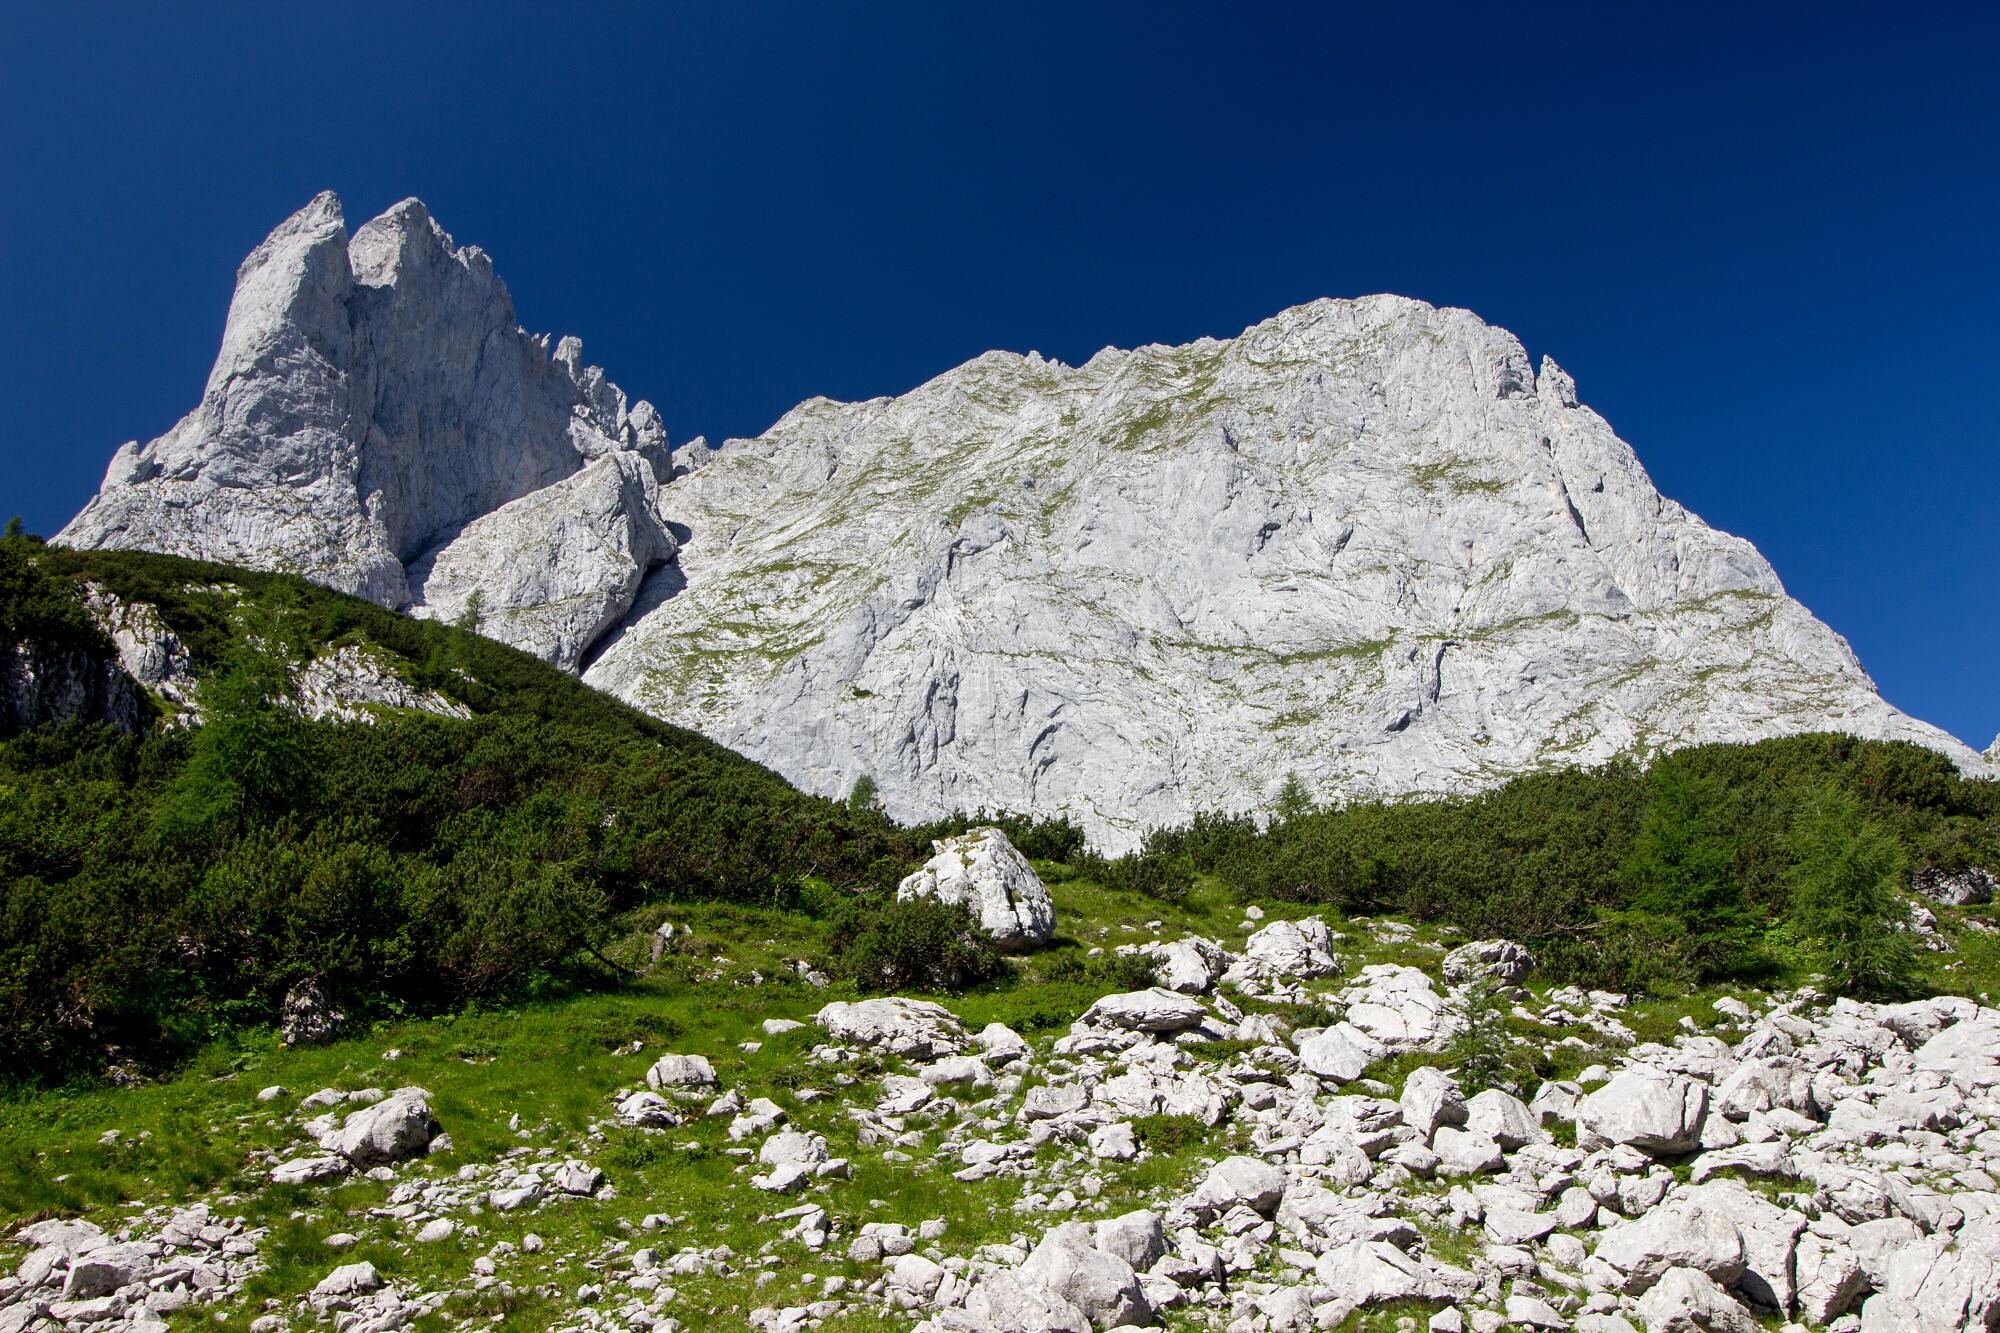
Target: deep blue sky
x=1763, y=238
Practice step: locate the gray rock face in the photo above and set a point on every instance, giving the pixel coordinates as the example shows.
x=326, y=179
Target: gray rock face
x=1964, y=887
x=372, y=398
x=1362, y=542
x=308, y=1018
x=555, y=569
x=43, y=682
x=981, y=869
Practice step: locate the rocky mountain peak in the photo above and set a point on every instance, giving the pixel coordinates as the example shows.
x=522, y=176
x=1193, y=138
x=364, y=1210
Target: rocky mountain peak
x=1364, y=542
x=373, y=397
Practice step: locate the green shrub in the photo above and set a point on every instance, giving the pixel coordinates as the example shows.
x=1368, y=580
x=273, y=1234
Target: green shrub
x=911, y=944
x=1163, y=877
x=162, y=888
x=1479, y=1051
x=1845, y=905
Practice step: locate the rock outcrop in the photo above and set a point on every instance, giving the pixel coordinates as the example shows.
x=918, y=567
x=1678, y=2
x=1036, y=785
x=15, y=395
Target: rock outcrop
x=984, y=871
x=47, y=681
x=378, y=422
x=1365, y=543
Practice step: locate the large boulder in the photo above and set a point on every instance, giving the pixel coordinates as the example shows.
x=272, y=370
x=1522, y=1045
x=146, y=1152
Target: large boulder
x=1499, y=960
x=397, y=1127
x=1686, y=1300
x=681, y=1073
x=1930, y=1287
x=1432, y=1098
x=1337, y=1053
x=1241, y=1181
x=1396, y=1008
x=104, y=1269
x=1192, y=965
x=919, y=1030
x=1068, y=1264
x=1292, y=949
x=1827, y=1277
x=1134, y=1237
x=1653, y=1112
x=1154, y=1010
x=1680, y=1234
x=307, y=1018
x=1504, y=1118
x=981, y=869
x=1368, y=1272
x=1003, y=1303
x=1770, y=1240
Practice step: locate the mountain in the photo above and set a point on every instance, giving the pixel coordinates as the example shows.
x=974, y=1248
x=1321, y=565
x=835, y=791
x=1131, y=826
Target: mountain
x=1365, y=543
x=378, y=422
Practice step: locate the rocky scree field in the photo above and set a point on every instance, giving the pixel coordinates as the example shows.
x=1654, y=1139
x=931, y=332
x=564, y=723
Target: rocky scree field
x=1201, y=1114
x=364, y=974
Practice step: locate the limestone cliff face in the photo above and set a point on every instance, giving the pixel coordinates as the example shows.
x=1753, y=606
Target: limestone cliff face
x=1364, y=542
x=45, y=682
x=373, y=396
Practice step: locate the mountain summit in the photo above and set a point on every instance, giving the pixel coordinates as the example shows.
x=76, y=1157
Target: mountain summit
x=377, y=422
x=1364, y=542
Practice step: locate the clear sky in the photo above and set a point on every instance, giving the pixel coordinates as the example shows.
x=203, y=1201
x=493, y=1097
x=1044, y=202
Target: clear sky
x=1762, y=237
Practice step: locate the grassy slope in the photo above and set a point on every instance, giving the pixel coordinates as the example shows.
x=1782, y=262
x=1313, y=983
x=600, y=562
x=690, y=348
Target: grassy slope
x=555, y=1065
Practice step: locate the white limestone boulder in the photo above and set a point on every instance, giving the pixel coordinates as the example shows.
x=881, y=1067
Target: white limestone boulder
x=982, y=869
x=1686, y=1300
x=1102, y=1286
x=1496, y=960
x=1292, y=950
x=1192, y=965
x=1338, y=1053
x=1134, y=1237
x=681, y=1073
x=1002, y=1303
x=1155, y=1010
x=1241, y=1182
x=1397, y=1008
x=1686, y=1234
x=1504, y=1118
x=1432, y=1098
x=1652, y=1111
x=1371, y=1272
x=399, y=1126
x=917, y=1030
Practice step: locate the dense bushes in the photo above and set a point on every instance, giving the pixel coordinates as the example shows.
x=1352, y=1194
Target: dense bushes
x=886, y=944
x=1705, y=865
x=161, y=886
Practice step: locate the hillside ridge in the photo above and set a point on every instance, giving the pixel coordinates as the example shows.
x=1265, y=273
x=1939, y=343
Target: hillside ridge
x=1365, y=543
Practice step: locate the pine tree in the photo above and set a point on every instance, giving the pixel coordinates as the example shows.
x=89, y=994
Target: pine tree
x=1843, y=882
